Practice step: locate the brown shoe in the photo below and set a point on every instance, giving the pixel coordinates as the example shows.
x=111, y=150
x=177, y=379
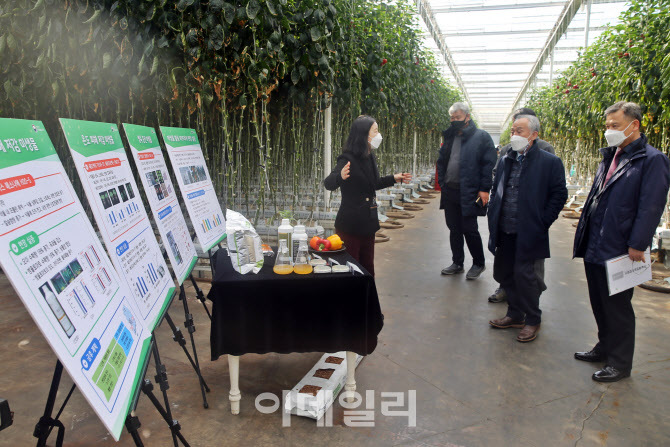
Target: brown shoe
x=528, y=333
x=506, y=323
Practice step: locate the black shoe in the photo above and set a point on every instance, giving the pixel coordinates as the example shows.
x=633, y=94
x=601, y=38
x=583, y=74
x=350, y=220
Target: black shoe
x=475, y=271
x=591, y=356
x=498, y=296
x=453, y=269
x=609, y=374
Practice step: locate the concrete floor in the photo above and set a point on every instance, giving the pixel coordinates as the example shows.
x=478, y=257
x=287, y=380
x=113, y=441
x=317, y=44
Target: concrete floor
x=475, y=386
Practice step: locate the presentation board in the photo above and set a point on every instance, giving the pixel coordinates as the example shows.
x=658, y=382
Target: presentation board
x=116, y=204
x=55, y=262
x=195, y=185
x=162, y=198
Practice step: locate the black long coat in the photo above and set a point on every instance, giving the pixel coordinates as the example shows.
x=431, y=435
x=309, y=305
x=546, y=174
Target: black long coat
x=357, y=215
x=542, y=195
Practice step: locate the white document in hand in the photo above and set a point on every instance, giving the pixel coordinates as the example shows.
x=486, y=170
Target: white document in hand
x=623, y=273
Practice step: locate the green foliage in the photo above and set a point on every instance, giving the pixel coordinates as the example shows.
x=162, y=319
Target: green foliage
x=629, y=61
x=252, y=76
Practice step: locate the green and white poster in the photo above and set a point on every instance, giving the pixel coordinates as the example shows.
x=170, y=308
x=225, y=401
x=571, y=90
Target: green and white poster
x=195, y=184
x=162, y=197
x=105, y=173
x=56, y=264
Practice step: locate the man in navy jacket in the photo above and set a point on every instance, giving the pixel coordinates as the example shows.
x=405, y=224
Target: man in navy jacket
x=528, y=194
x=464, y=167
x=619, y=217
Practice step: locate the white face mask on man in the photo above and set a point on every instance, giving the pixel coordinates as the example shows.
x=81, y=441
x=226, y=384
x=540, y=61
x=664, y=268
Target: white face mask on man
x=519, y=143
x=376, y=141
x=616, y=137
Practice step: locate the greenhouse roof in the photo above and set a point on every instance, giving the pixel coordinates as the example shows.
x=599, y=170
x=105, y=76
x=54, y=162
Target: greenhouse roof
x=496, y=51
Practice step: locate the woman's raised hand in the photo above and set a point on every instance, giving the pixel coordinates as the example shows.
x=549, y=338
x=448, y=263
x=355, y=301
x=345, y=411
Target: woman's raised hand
x=345, y=171
x=404, y=177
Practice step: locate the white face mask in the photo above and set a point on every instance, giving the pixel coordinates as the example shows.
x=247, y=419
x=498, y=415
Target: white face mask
x=616, y=137
x=519, y=143
x=376, y=141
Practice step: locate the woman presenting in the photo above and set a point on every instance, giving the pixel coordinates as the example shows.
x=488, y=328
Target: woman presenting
x=357, y=174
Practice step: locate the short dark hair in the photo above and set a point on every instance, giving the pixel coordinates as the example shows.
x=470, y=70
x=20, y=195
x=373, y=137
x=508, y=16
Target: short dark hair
x=357, y=141
x=523, y=111
x=630, y=109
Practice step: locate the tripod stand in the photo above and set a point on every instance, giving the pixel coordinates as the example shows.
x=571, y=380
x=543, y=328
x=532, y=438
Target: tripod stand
x=47, y=423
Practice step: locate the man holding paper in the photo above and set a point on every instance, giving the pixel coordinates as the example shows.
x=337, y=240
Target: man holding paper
x=619, y=217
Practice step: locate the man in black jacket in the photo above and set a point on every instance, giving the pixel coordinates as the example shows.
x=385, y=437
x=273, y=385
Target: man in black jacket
x=499, y=295
x=528, y=194
x=464, y=168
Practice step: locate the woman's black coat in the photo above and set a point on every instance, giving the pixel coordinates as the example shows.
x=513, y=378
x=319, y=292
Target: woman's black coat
x=358, y=212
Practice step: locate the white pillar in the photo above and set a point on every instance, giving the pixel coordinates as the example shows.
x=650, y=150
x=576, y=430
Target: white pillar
x=551, y=67
x=327, y=149
x=414, y=157
x=587, y=24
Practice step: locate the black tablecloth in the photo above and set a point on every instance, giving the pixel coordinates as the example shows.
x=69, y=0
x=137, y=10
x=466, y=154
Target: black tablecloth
x=267, y=312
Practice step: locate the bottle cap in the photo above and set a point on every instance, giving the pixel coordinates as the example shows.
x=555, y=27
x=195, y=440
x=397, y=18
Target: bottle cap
x=285, y=222
x=299, y=229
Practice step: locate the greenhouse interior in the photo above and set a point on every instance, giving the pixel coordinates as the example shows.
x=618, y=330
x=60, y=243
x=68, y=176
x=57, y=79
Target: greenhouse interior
x=335, y=222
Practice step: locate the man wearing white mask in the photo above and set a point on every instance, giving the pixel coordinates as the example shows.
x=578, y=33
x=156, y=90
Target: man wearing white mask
x=619, y=217
x=528, y=194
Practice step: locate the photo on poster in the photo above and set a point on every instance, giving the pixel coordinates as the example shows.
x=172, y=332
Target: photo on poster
x=122, y=191
x=114, y=196
x=106, y=201
x=59, y=283
x=76, y=267
x=129, y=188
x=192, y=174
x=57, y=310
x=159, y=192
x=174, y=247
x=67, y=274
x=151, y=178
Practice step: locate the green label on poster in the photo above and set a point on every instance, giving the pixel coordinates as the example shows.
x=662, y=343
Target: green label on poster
x=22, y=141
x=141, y=138
x=179, y=137
x=25, y=242
x=91, y=138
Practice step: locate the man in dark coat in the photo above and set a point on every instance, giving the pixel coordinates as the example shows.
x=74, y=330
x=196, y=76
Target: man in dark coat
x=528, y=194
x=499, y=295
x=464, y=167
x=619, y=217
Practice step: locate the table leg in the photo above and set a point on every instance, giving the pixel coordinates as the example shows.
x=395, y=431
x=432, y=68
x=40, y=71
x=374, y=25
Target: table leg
x=235, y=396
x=350, y=386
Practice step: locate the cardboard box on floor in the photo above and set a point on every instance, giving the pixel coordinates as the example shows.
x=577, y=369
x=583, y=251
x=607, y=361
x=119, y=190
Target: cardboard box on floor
x=325, y=389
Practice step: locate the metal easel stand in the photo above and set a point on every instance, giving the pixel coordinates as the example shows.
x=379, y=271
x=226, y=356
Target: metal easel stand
x=47, y=423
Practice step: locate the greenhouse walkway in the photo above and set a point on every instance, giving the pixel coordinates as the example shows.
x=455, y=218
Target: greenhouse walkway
x=475, y=386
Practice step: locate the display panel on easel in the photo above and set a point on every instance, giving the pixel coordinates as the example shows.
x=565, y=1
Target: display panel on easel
x=195, y=184
x=56, y=264
x=162, y=198
x=105, y=173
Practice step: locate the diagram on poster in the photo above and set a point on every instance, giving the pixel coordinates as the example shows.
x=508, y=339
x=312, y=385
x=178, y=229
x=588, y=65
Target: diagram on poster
x=55, y=262
x=112, y=193
x=162, y=198
x=195, y=184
